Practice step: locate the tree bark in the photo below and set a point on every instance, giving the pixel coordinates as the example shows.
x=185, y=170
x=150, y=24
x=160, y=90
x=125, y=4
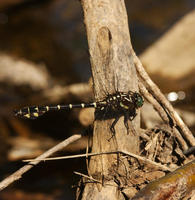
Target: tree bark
x=112, y=70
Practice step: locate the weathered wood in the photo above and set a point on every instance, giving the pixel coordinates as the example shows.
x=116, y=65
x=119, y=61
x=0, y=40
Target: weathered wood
x=175, y=185
x=112, y=70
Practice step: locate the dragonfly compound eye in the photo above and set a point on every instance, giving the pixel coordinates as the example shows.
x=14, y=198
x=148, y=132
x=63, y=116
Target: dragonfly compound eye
x=139, y=101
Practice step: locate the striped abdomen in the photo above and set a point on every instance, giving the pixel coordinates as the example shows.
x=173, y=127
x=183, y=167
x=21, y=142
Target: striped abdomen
x=33, y=112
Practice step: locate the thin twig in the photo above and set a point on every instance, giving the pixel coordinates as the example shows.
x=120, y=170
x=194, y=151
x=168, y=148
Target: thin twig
x=153, y=101
x=186, y=133
x=110, y=152
x=93, y=179
x=89, y=177
x=18, y=174
x=161, y=113
x=143, y=134
x=146, y=160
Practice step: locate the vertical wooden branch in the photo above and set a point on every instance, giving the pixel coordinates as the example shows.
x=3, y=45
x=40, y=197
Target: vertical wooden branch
x=112, y=70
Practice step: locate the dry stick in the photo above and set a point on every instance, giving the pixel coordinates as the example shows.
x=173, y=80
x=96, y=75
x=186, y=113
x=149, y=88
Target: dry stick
x=158, y=94
x=93, y=179
x=110, y=152
x=89, y=177
x=162, y=113
x=153, y=101
x=143, y=134
x=146, y=160
x=18, y=174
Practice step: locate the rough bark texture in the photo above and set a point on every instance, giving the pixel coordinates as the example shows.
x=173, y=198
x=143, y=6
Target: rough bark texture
x=112, y=70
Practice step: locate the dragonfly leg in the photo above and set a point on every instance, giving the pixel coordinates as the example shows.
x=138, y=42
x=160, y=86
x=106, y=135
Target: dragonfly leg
x=112, y=129
x=126, y=118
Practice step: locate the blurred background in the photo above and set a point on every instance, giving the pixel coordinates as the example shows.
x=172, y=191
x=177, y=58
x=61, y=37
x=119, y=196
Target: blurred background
x=44, y=60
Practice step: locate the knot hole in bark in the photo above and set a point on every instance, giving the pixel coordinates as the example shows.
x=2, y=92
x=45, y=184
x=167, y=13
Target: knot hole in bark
x=104, y=39
x=104, y=56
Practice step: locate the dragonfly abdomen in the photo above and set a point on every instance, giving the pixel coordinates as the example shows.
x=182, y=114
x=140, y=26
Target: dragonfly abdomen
x=32, y=112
